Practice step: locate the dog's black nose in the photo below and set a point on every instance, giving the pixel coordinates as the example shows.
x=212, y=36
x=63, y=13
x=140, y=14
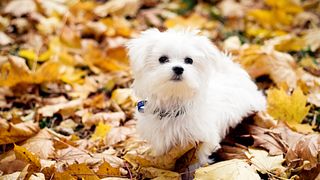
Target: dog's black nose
x=177, y=70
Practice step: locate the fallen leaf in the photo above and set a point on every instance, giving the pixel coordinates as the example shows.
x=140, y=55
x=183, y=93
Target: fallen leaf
x=265, y=163
x=41, y=144
x=105, y=170
x=307, y=149
x=20, y=7
x=146, y=158
x=122, y=96
x=10, y=133
x=112, y=118
x=49, y=110
x=194, y=20
x=159, y=174
x=82, y=171
x=5, y=39
x=73, y=155
x=264, y=60
x=291, y=109
x=101, y=131
x=227, y=170
x=312, y=39
x=33, y=161
x=118, y=8
x=35, y=176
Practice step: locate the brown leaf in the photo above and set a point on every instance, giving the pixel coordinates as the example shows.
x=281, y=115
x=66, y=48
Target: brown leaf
x=41, y=144
x=49, y=110
x=20, y=7
x=73, y=155
x=146, y=158
x=112, y=118
x=118, y=134
x=267, y=139
x=10, y=133
x=307, y=148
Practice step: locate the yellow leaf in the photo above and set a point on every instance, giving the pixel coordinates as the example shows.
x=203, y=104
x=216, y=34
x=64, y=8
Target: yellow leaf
x=72, y=75
x=82, y=171
x=101, y=131
x=105, y=170
x=293, y=44
x=117, y=26
x=63, y=175
x=28, y=54
x=227, y=170
x=28, y=157
x=194, y=20
x=45, y=56
x=122, y=96
x=285, y=5
x=289, y=108
x=263, y=33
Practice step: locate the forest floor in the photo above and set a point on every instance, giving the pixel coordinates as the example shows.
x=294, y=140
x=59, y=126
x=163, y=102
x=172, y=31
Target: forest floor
x=66, y=107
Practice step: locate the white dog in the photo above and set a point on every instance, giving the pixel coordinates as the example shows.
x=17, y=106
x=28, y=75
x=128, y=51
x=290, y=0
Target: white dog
x=190, y=92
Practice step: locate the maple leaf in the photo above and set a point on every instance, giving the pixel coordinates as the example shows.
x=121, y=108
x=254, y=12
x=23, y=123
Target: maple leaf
x=289, y=108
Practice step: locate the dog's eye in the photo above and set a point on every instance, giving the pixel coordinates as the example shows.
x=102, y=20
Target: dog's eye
x=188, y=60
x=163, y=59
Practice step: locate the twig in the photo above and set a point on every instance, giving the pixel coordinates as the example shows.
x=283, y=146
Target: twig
x=126, y=165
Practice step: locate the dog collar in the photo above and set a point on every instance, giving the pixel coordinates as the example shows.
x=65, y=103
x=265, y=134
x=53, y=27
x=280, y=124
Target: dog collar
x=141, y=106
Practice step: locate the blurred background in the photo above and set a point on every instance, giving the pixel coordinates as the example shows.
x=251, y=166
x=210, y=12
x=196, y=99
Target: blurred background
x=65, y=77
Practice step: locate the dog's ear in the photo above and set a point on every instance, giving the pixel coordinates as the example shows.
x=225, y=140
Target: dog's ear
x=138, y=48
x=221, y=60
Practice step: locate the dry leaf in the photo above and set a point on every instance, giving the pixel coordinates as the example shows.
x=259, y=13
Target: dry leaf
x=49, y=110
x=118, y=8
x=20, y=7
x=101, y=131
x=194, y=20
x=306, y=149
x=264, y=163
x=35, y=176
x=73, y=155
x=5, y=39
x=289, y=108
x=159, y=174
x=227, y=170
x=33, y=161
x=312, y=39
x=10, y=133
x=112, y=118
x=82, y=171
x=41, y=144
x=147, y=159
x=105, y=170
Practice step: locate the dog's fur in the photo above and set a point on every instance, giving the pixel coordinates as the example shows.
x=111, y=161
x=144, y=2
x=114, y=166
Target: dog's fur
x=213, y=95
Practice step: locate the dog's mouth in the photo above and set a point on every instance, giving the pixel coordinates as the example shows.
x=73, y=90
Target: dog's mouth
x=176, y=78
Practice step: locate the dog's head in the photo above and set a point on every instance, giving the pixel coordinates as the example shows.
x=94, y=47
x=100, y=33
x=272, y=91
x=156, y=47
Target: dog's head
x=171, y=64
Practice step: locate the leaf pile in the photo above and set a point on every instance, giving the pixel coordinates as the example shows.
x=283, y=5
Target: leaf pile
x=66, y=107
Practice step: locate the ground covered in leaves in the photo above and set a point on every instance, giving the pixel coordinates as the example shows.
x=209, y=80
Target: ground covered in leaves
x=66, y=109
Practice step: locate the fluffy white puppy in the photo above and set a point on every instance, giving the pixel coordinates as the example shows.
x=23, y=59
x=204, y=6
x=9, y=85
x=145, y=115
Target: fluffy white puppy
x=190, y=92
